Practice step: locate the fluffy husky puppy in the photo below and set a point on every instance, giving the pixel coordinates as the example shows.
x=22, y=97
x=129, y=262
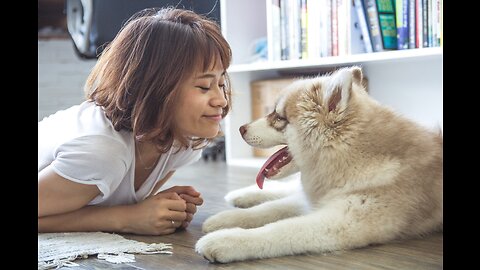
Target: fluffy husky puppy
x=368, y=176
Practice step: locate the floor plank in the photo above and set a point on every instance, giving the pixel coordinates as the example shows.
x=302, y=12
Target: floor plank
x=214, y=180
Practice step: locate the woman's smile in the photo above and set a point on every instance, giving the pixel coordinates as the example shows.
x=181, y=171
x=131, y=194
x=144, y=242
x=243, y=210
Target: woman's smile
x=214, y=117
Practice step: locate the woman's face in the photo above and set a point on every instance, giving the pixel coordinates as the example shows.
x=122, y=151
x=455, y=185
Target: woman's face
x=200, y=103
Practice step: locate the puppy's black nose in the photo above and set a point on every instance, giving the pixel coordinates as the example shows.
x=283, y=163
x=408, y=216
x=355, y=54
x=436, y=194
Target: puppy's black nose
x=242, y=129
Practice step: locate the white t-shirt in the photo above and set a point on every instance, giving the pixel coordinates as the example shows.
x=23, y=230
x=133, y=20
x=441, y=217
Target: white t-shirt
x=80, y=144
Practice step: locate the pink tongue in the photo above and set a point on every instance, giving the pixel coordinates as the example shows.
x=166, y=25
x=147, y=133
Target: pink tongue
x=261, y=174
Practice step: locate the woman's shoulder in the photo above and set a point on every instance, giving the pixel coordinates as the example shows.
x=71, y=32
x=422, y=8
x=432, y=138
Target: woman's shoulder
x=83, y=128
x=84, y=120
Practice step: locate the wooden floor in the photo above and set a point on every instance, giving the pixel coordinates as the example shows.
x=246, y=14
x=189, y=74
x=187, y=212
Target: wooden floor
x=214, y=180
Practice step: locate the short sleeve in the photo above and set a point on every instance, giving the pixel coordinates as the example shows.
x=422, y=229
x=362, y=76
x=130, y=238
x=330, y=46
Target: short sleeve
x=93, y=160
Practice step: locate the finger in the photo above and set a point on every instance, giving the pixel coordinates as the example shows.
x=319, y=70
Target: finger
x=177, y=216
x=185, y=224
x=176, y=205
x=168, y=230
x=176, y=224
x=191, y=208
x=168, y=195
x=190, y=199
x=185, y=190
x=187, y=221
x=188, y=218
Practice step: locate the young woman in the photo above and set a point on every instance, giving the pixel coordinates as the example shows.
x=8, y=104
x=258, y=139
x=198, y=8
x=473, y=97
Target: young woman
x=154, y=99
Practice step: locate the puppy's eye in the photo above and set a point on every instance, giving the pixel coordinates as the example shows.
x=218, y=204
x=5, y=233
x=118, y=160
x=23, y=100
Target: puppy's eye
x=280, y=118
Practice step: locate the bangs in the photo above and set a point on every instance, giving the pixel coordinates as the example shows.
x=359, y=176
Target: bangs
x=208, y=50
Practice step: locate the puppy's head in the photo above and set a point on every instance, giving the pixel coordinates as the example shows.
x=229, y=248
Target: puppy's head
x=309, y=115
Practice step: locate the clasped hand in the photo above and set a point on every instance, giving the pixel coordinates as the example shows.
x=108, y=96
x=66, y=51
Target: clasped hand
x=167, y=210
x=192, y=199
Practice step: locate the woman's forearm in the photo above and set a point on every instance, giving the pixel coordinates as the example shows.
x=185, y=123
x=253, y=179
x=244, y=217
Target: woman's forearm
x=90, y=218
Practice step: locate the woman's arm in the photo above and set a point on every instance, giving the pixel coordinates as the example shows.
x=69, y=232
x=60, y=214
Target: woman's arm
x=59, y=195
x=62, y=206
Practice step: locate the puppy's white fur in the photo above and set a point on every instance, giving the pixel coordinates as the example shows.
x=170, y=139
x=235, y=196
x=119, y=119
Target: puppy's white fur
x=368, y=175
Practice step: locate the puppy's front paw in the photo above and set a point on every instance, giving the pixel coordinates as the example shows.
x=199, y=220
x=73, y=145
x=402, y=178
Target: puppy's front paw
x=243, y=197
x=225, y=219
x=224, y=246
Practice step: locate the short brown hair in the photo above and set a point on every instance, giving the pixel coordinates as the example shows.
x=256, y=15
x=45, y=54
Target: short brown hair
x=136, y=77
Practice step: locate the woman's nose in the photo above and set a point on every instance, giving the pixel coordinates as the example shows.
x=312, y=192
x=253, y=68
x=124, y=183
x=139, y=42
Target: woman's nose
x=219, y=100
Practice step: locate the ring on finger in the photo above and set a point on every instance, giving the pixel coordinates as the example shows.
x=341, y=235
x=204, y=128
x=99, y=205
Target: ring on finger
x=173, y=222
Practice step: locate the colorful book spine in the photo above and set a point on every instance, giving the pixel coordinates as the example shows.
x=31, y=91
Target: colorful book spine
x=334, y=26
x=362, y=20
x=273, y=31
x=362, y=23
x=326, y=28
x=441, y=23
x=303, y=30
x=373, y=25
x=425, y=12
x=418, y=24
x=294, y=29
x=284, y=34
x=430, y=23
x=401, y=15
x=436, y=23
x=388, y=28
x=343, y=26
x=411, y=24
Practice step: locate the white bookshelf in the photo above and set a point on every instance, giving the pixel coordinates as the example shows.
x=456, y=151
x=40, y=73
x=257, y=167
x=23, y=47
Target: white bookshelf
x=409, y=81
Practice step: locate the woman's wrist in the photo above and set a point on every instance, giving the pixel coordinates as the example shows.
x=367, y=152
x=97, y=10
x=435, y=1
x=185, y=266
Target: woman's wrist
x=124, y=218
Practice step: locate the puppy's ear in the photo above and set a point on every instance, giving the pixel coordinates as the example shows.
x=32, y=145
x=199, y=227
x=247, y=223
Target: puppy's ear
x=357, y=75
x=337, y=94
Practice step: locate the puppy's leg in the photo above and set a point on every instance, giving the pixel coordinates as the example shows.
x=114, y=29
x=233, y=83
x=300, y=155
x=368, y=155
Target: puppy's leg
x=252, y=195
x=258, y=215
x=334, y=227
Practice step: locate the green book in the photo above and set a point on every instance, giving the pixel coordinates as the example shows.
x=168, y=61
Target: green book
x=388, y=28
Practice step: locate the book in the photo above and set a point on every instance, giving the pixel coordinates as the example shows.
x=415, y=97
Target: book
x=430, y=23
x=303, y=30
x=334, y=27
x=373, y=24
x=326, y=28
x=401, y=15
x=313, y=28
x=411, y=24
x=362, y=23
x=284, y=33
x=343, y=27
x=440, y=15
x=273, y=31
x=418, y=24
x=293, y=18
x=425, y=23
x=388, y=28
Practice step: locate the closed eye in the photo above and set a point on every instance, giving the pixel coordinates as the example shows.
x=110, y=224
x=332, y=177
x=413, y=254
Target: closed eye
x=221, y=86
